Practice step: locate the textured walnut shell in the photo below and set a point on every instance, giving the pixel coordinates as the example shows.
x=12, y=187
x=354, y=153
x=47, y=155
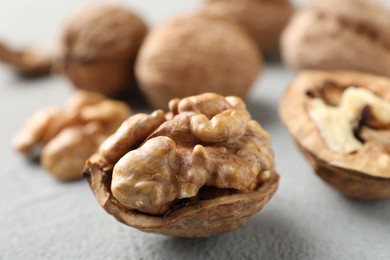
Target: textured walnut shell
x=364, y=174
x=204, y=218
x=195, y=53
x=99, y=47
x=265, y=20
x=339, y=35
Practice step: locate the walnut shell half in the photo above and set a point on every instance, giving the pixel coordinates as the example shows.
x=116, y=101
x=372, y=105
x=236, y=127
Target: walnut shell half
x=201, y=219
x=200, y=169
x=362, y=173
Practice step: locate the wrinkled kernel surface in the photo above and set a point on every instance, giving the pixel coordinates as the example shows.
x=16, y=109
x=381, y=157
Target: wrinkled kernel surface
x=203, y=140
x=69, y=135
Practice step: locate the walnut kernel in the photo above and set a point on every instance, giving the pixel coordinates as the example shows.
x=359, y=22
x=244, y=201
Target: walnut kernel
x=68, y=136
x=336, y=123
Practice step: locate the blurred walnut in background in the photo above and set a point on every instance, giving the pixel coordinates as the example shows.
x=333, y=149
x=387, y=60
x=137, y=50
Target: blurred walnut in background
x=27, y=62
x=195, y=53
x=69, y=135
x=264, y=19
x=99, y=47
x=339, y=35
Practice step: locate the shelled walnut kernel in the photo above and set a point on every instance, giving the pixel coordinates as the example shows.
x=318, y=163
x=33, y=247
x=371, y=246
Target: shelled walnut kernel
x=68, y=136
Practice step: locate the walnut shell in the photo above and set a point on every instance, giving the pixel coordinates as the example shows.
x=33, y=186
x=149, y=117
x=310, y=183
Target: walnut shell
x=99, y=47
x=200, y=169
x=265, y=20
x=26, y=62
x=204, y=218
x=363, y=174
x=196, y=53
x=339, y=35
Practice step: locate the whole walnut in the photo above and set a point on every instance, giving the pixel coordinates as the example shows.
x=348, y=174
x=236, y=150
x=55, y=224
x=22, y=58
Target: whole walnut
x=68, y=136
x=265, y=20
x=202, y=168
x=196, y=53
x=99, y=47
x=339, y=35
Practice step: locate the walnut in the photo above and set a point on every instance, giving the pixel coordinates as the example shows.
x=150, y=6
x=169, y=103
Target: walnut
x=340, y=121
x=200, y=169
x=99, y=47
x=265, y=20
x=68, y=136
x=339, y=35
x=196, y=53
x=27, y=62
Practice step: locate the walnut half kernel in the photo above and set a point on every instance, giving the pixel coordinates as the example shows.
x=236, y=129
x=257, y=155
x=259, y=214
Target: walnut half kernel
x=68, y=136
x=200, y=169
x=341, y=122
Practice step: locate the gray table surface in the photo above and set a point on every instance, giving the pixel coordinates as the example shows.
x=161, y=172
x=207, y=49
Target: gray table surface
x=41, y=218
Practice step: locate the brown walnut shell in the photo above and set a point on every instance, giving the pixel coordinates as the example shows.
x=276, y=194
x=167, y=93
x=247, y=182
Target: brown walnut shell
x=201, y=219
x=265, y=20
x=26, y=62
x=363, y=174
x=99, y=47
x=339, y=35
x=196, y=53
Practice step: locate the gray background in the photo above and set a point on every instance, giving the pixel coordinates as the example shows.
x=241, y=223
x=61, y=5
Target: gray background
x=41, y=218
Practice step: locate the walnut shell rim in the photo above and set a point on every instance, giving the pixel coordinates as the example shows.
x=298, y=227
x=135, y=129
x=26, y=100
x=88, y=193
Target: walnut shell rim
x=205, y=218
x=356, y=180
